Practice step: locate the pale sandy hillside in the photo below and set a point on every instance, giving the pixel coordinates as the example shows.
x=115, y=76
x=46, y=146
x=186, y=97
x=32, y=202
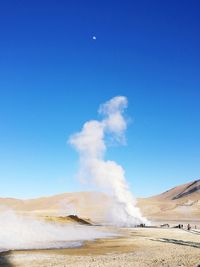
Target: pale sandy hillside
x=179, y=203
x=84, y=204
x=189, y=191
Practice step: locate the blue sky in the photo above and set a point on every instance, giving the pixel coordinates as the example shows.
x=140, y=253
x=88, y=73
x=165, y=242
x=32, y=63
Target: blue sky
x=53, y=76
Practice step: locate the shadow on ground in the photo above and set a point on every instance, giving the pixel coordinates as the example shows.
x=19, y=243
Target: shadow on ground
x=193, y=231
x=178, y=242
x=4, y=260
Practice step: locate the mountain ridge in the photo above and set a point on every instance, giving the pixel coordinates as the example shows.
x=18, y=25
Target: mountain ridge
x=182, y=201
x=183, y=191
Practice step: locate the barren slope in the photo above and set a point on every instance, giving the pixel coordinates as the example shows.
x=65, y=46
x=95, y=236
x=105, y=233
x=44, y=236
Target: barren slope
x=83, y=204
x=189, y=191
x=179, y=203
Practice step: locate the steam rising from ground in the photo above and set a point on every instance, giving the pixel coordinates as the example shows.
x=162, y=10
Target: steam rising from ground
x=105, y=174
x=20, y=232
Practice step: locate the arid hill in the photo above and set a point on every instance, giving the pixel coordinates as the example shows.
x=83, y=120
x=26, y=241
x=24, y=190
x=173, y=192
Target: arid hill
x=179, y=203
x=189, y=191
x=83, y=204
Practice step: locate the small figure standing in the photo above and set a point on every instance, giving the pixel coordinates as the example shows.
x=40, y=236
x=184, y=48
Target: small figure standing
x=188, y=227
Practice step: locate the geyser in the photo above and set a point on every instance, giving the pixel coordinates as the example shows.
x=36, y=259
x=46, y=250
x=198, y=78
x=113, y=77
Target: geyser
x=107, y=175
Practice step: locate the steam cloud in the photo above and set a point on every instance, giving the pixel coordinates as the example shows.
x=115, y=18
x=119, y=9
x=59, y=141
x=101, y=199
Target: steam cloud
x=21, y=232
x=105, y=174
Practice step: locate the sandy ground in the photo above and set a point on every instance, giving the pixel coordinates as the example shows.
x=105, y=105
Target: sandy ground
x=135, y=247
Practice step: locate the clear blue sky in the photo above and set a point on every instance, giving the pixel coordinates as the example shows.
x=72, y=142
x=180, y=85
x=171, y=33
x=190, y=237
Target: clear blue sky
x=53, y=76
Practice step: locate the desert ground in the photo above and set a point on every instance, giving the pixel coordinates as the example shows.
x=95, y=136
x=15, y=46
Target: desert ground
x=153, y=246
x=133, y=247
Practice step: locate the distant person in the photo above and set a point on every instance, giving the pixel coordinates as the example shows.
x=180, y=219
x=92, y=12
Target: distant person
x=189, y=227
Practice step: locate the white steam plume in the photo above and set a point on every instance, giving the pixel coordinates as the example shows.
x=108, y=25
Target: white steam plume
x=106, y=174
x=21, y=232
